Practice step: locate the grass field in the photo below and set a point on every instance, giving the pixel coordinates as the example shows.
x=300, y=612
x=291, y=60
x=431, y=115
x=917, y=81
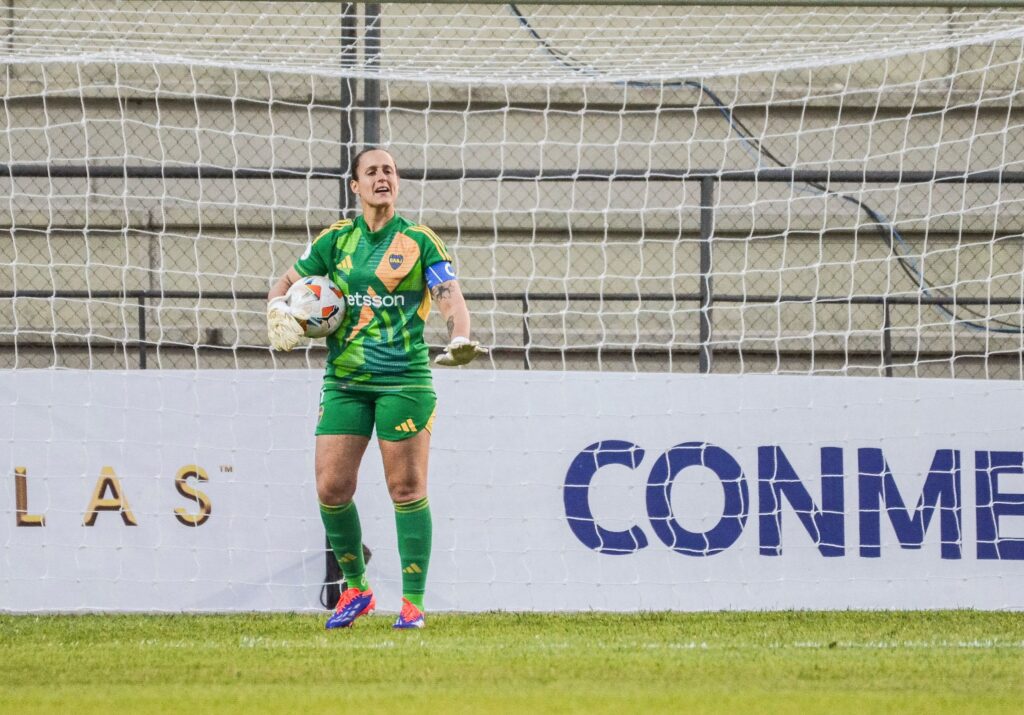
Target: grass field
x=927, y=662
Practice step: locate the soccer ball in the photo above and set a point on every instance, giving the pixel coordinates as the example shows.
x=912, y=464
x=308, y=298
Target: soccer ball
x=317, y=304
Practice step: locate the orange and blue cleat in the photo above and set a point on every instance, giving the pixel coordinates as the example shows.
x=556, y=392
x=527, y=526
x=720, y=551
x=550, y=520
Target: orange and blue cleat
x=410, y=617
x=352, y=604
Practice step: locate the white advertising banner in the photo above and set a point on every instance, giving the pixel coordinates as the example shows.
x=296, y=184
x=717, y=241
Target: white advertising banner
x=177, y=490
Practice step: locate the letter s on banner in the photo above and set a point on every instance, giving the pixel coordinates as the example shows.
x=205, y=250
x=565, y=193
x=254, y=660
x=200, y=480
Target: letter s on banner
x=577, y=500
x=196, y=472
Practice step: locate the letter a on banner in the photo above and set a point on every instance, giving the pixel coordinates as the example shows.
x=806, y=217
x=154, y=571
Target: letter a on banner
x=115, y=502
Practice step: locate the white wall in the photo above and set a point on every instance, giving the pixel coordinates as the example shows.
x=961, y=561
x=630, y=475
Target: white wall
x=510, y=450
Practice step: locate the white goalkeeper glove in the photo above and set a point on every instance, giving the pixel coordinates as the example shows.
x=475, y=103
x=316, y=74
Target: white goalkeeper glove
x=460, y=351
x=282, y=328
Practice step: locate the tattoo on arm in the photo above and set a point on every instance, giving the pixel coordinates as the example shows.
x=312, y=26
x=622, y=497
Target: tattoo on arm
x=441, y=292
x=451, y=327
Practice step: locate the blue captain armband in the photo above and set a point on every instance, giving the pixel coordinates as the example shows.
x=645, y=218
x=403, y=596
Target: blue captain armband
x=439, y=273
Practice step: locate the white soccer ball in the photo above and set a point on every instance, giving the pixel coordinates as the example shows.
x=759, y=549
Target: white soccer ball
x=317, y=304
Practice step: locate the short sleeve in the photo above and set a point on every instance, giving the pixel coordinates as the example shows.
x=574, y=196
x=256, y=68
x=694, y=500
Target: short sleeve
x=433, y=249
x=316, y=260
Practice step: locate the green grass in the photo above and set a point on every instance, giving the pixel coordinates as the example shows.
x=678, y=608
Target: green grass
x=794, y=662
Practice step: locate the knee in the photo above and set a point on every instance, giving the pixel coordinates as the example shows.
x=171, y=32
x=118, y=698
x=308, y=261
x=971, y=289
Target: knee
x=332, y=491
x=403, y=491
x=332, y=496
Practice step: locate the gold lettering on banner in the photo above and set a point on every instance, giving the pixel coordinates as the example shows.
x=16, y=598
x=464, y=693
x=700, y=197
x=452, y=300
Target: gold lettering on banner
x=108, y=481
x=189, y=492
x=22, y=517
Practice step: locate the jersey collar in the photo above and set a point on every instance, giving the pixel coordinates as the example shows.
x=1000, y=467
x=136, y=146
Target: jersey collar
x=385, y=230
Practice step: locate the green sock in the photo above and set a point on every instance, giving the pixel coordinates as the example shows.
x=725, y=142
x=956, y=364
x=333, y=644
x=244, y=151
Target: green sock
x=412, y=521
x=346, y=536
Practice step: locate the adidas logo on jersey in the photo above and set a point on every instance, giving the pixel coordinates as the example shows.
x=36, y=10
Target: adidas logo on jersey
x=407, y=426
x=346, y=264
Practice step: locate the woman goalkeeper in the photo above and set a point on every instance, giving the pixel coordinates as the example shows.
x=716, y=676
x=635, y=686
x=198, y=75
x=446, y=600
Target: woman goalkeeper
x=378, y=374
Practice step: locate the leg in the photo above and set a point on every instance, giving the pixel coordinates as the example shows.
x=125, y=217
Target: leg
x=337, y=469
x=405, y=467
x=337, y=466
x=342, y=435
x=403, y=423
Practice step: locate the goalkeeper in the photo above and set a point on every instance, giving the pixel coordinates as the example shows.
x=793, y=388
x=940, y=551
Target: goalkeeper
x=378, y=374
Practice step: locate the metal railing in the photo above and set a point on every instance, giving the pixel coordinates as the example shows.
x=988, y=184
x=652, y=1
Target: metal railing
x=705, y=350
x=705, y=297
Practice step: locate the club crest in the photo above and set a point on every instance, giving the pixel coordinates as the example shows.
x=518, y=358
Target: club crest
x=397, y=261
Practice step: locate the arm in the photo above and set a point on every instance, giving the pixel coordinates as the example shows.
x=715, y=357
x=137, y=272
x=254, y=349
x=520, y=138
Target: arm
x=452, y=306
x=283, y=330
x=283, y=283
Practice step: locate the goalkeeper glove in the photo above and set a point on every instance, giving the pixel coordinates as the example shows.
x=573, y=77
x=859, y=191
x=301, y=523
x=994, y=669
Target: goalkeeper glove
x=460, y=351
x=282, y=328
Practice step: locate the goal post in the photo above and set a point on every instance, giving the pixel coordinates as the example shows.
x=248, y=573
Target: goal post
x=708, y=205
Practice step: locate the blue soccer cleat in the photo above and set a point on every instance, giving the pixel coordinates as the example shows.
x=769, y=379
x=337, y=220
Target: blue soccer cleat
x=410, y=617
x=352, y=604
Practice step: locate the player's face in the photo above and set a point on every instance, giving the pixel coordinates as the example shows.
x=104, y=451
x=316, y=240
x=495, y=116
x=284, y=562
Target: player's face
x=376, y=181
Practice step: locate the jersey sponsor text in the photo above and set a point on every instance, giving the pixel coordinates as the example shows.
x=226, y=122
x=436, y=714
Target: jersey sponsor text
x=374, y=301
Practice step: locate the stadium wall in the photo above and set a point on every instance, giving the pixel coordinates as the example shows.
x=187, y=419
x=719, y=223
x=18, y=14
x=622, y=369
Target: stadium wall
x=652, y=492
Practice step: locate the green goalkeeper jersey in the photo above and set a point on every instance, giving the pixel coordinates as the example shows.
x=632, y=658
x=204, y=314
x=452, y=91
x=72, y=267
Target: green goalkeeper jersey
x=383, y=276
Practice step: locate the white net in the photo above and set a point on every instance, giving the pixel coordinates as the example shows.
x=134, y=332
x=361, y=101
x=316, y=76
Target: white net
x=493, y=44
x=158, y=151
x=625, y=188
x=598, y=266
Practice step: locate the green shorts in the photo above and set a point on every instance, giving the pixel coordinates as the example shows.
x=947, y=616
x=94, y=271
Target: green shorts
x=396, y=415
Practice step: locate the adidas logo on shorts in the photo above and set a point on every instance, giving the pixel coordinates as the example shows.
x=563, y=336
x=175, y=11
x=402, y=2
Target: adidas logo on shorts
x=407, y=426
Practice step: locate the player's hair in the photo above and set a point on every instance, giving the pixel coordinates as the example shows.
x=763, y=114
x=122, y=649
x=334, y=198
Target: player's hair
x=354, y=167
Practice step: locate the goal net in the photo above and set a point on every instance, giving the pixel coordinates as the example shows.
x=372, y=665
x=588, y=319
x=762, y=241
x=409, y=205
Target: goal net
x=176, y=156
x=626, y=189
